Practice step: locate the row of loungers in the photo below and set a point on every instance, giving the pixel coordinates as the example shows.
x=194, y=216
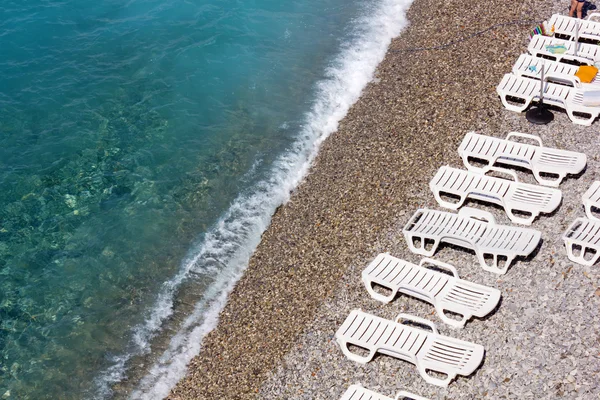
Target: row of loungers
x=562, y=88
x=582, y=238
x=456, y=300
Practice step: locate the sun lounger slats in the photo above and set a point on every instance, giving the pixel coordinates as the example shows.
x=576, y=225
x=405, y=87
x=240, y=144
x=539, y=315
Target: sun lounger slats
x=539, y=46
x=428, y=350
x=513, y=195
x=445, y=292
x=540, y=160
x=591, y=200
x=582, y=240
x=517, y=93
x=531, y=67
x=357, y=392
x=427, y=229
x=527, y=89
x=566, y=26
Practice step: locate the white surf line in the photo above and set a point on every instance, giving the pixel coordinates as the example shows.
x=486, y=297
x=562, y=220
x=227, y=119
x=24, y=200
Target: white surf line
x=224, y=253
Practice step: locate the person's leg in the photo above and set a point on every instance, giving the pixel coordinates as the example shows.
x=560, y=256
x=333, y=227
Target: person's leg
x=580, y=9
x=574, y=4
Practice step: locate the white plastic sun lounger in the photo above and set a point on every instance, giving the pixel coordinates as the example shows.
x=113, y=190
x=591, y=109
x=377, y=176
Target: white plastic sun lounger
x=445, y=292
x=531, y=67
x=518, y=92
x=591, y=200
x=582, y=240
x=473, y=229
x=357, y=392
x=428, y=350
x=566, y=26
x=537, y=158
x=512, y=195
x=539, y=46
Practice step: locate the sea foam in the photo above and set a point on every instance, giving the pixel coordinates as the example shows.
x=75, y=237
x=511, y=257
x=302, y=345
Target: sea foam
x=225, y=250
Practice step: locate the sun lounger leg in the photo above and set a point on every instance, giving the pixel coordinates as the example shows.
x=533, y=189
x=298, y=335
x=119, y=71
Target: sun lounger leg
x=356, y=357
x=455, y=323
x=580, y=120
x=580, y=259
x=520, y=220
x=434, y=381
x=571, y=252
x=493, y=266
x=474, y=168
x=513, y=107
x=422, y=245
x=378, y=296
x=447, y=204
x=549, y=182
x=588, y=211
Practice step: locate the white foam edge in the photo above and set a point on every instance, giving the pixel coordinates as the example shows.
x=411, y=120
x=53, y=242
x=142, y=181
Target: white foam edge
x=236, y=235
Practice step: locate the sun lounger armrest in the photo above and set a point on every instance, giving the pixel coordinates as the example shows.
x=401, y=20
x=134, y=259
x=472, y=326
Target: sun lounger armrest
x=435, y=381
x=421, y=321
x=477, y=214
x=593, y=15
x=526, y=136
x=564, y=78
x=440, y=265
x=512, y=174
x=572, y=57
x=590, y=36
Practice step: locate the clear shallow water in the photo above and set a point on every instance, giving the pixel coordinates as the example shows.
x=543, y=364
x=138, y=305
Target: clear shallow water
x=143, y=148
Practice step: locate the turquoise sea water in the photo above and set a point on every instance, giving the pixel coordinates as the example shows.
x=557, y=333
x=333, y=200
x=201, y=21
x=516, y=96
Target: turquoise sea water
x=143, y=147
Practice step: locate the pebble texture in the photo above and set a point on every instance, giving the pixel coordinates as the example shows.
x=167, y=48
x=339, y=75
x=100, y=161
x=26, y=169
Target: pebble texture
x=275, y=338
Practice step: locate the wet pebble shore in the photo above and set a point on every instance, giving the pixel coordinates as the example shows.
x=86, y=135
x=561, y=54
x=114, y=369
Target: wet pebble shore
x=275, y=338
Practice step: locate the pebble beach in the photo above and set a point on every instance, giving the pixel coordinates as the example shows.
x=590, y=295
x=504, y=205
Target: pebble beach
x=275, y=337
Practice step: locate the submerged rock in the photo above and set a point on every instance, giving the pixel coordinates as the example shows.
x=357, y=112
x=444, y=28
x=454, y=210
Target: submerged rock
x=70, y=201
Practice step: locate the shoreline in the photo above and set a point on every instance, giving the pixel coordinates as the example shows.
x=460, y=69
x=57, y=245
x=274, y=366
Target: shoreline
x=363, y=185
